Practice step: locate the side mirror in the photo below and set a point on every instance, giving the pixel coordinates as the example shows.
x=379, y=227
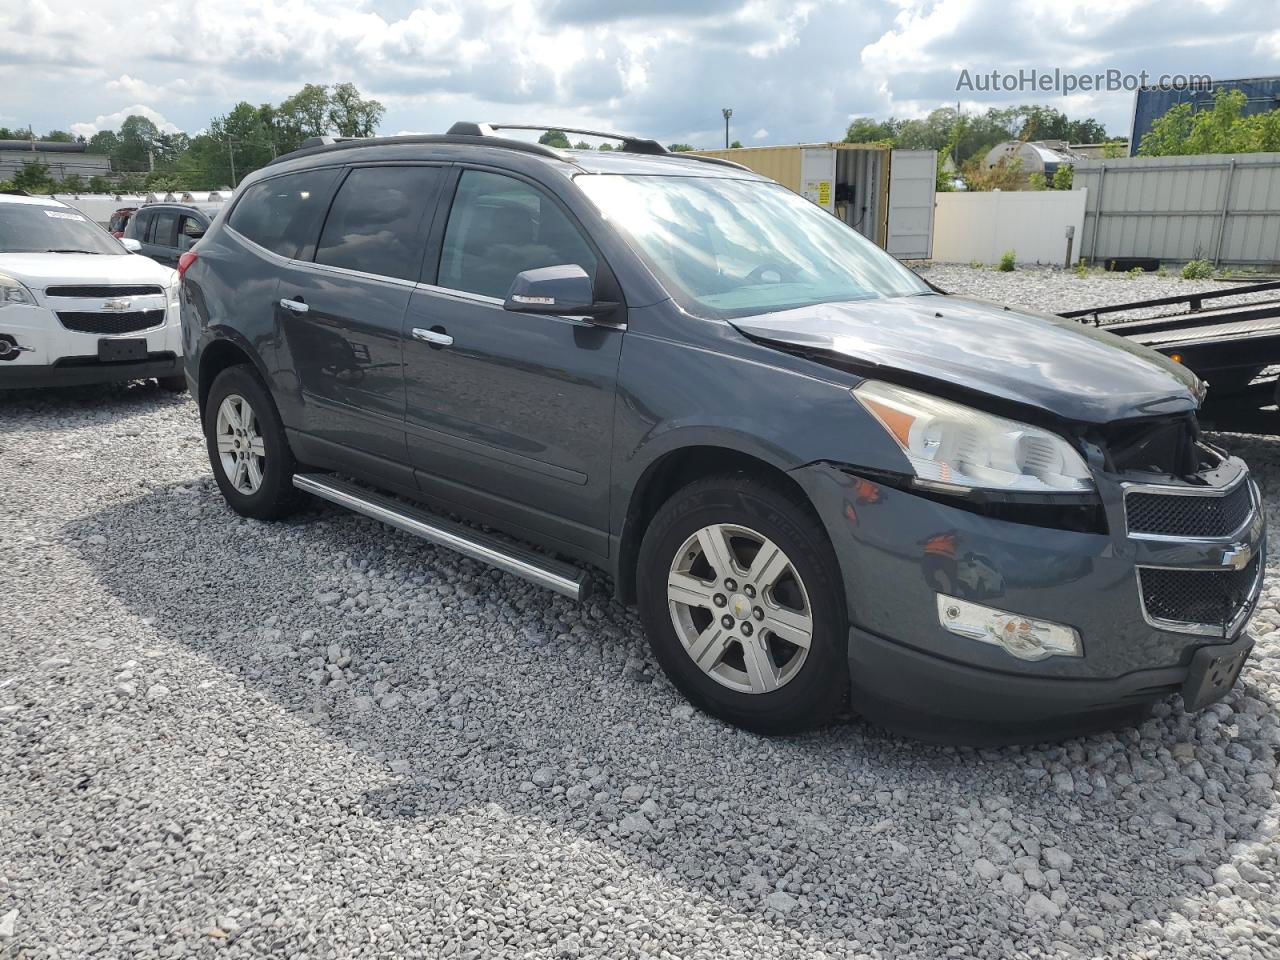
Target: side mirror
x=130, y=244
x=564, y=290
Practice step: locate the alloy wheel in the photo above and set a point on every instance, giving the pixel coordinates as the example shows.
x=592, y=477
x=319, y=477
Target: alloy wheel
x=739, y=608
x=241, y=449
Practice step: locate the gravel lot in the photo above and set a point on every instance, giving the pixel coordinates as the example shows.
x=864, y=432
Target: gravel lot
x=325, y=739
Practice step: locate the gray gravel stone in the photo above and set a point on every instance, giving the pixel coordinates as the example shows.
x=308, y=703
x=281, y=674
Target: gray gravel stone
x=331, y=779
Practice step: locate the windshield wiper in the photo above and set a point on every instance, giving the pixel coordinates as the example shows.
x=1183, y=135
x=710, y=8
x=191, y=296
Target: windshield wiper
x=96, y=253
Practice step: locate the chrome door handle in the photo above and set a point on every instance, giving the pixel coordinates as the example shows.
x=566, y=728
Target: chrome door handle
x=295, y=306
x=433, y=337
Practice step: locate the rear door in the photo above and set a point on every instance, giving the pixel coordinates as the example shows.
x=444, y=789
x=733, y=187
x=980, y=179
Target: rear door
x=161, y=240
x=342, y=314
x=511, y=414
x=913, y=180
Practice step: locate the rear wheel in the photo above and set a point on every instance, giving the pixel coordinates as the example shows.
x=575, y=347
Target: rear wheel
x=248, y=450
x=741, y=598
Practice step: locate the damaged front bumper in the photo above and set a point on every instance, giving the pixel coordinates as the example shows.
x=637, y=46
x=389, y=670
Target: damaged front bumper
x=899, y=550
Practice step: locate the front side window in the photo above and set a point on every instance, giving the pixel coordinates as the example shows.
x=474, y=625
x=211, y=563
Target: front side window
x=283, y=214
x=725, y=247
x=41, y=228
x=499, y=227
x=375, y=223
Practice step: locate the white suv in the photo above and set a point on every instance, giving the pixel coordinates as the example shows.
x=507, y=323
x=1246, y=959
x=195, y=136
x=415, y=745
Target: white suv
x=76, y=306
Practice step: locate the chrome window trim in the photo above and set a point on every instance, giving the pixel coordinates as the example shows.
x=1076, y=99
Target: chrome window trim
x=1173, y=490
x=1202, y=629
x=312, y=265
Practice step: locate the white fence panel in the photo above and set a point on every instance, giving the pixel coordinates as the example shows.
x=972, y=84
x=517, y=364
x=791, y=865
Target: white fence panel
x=1031, y=223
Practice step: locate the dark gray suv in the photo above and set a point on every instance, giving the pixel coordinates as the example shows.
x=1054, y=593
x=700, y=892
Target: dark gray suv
x=823, y=482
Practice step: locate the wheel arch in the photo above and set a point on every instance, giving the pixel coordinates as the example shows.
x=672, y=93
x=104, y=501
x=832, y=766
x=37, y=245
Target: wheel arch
x=670, y=472
x=217, y=356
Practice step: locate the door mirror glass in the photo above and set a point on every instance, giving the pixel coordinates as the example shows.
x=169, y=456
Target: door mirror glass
x=130, y=244
x=562, y=289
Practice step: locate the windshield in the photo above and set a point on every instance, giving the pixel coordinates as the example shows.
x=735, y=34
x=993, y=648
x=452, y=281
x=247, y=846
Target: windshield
x=37, y=228
x=732, y=248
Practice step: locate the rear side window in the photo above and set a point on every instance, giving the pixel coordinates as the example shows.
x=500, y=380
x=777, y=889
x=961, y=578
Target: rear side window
x=141, y=225
x=375, y=223
x=500, y=226
x=164, y=233
x=283, y=214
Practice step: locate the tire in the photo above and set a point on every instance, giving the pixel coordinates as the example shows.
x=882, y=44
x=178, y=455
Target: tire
x=749, y=675
x=173, y=384
x=273, y=496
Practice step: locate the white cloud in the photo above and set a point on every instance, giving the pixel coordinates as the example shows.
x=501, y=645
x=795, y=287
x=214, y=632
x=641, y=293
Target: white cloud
x=112, y=121
x=662, y=68
x=760, y=134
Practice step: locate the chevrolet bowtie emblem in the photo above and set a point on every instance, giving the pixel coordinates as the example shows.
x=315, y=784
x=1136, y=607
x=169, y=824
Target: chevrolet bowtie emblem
x=1237, y=557
x=118, y=306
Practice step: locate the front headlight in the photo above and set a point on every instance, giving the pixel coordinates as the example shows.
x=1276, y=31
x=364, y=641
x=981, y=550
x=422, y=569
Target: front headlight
x=12, y=292
x=951, y=446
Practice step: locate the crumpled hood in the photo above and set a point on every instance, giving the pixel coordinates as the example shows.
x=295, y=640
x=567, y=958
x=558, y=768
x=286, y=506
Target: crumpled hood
x=40, y=270
x=1061, y=366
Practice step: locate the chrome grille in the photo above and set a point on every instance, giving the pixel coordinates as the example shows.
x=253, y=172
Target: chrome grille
x=103, y=292
x=108, y=324
x=1174, y=515
x=1197, y=598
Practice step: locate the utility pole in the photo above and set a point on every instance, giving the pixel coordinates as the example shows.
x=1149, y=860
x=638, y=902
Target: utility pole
x=231, y=155
x=727, y=112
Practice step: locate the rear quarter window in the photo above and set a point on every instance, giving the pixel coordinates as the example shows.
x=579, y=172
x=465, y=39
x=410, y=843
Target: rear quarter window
x=283, y=214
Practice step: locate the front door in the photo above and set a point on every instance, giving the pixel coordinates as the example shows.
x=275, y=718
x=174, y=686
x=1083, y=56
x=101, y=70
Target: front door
x=511, y=414
x=342, y=314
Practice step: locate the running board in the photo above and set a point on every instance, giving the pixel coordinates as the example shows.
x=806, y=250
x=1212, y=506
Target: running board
x=545, y=571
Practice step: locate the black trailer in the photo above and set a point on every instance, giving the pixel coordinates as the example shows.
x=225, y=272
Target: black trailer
x=1229, y=346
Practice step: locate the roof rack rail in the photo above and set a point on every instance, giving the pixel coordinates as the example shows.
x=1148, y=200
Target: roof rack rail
x=324, y=144
x=630, y=144
x=719, y=161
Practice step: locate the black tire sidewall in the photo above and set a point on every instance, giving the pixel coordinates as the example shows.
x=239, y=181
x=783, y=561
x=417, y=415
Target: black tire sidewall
x=274, y=497
x=819, y=690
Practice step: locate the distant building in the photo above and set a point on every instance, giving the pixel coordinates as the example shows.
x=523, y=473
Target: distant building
x=63, y=159
x=1098, y=151
x=1262, y=95
x=1037, y=156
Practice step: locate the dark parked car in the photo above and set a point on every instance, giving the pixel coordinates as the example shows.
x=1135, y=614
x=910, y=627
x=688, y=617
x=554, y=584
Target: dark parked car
x=168, y=230
x=822, y=481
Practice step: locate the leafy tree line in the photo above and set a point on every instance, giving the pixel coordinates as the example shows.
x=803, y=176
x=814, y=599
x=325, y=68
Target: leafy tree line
x=233, y=145
x=1183, y=131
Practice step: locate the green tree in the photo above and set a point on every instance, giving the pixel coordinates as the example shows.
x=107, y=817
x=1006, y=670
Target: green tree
x=131, y=182
x=72, y=183
x=555, y=138
x=1183, y=131
x=736, y=145
x=1064, y=176
x=605, y=146
x=352, y=115
x=59, y=136
x=138, y=140
x=104, y=142
x=34, y=178
x=679, y=147
x=582, y=145
x=1112, y=149
x=870, y=130
x=305, y=114
x=100, y=184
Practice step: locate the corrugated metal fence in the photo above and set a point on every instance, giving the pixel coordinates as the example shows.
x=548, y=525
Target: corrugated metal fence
x=1219, y=207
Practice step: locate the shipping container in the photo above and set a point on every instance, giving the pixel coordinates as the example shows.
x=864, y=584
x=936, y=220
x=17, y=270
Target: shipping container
x=886, y=195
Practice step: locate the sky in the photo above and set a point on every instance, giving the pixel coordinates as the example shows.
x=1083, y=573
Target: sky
x=791, y=70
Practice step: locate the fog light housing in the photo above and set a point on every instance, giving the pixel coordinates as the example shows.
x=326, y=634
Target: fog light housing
x=1023, y=637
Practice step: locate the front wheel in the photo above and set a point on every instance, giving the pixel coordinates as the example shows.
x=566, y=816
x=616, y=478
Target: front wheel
x=741, y=598
x=248, y=450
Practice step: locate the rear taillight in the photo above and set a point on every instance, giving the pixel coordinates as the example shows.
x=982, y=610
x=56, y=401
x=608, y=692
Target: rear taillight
x=185, y=261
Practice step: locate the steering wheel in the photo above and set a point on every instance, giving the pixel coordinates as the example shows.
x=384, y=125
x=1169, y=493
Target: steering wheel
x=758, y=275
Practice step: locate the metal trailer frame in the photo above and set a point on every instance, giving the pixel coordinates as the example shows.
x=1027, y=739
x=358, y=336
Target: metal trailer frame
x=1227, y=346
